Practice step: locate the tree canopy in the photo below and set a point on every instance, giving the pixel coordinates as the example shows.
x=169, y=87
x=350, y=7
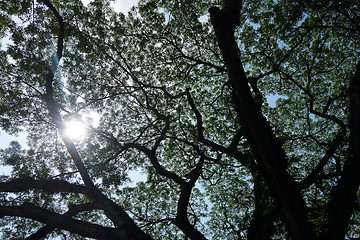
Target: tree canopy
x=242, y=117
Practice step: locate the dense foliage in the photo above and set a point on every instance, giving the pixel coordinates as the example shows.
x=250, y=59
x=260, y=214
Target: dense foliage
x=240, y=119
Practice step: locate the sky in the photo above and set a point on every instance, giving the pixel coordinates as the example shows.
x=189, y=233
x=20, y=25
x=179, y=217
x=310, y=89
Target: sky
x=119, y=5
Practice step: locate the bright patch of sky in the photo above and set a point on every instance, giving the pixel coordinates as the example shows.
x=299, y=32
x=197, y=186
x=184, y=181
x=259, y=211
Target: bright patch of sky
x=4, y=42
x=76, y=130
x=123, y=6
x=271, y=99
x=5, y=140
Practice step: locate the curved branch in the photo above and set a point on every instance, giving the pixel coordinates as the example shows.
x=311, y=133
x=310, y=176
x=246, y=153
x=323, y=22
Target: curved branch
x=231, y=150
x=73, y=210
x=154, y=161
x=82, y=228
x=181, y=219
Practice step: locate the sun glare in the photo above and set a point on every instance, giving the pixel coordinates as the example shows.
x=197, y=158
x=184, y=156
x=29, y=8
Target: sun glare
x=78, y=129
x=75, y=130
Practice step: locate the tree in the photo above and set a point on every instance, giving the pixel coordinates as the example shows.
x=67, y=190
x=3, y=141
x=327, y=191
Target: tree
x=182, y=88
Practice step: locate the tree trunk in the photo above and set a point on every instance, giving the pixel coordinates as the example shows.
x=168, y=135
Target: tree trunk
x=266, y=149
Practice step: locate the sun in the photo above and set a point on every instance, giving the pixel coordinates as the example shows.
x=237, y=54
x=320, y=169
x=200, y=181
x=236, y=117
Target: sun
x=76, y=130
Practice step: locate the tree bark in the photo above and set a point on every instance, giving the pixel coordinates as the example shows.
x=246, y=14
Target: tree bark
x=84, y=229
x=261, y=226
x=49, y=186
x=73, y=210
x=344, y=194
x=267, y=150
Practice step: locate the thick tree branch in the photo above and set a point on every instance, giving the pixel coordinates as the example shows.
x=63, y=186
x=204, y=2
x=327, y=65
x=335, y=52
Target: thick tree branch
x=82, y=228
x=182, y=220
x=261, y=226
x=266, y=149
x=73, y=210
x=344, y=194
x=60, y=44
x=49, y=186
